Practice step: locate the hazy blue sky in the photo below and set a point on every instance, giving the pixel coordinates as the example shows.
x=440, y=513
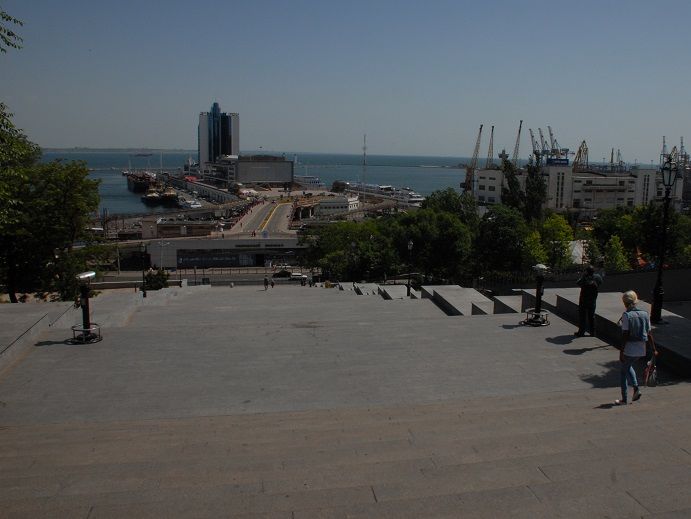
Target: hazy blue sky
x=417, y=77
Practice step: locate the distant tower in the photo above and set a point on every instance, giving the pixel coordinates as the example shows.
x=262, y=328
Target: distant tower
x=218, y=134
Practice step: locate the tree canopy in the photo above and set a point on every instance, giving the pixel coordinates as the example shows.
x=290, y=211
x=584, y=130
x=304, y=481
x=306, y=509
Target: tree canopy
x=45, y=209
x=9, y=38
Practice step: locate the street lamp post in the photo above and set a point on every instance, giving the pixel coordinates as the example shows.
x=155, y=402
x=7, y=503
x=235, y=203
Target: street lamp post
x=160, y=259
x=142, y=251
x=410, y=262
x=669, y=171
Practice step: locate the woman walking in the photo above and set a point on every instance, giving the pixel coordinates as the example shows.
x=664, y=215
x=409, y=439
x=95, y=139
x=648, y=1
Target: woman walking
x=635, y=327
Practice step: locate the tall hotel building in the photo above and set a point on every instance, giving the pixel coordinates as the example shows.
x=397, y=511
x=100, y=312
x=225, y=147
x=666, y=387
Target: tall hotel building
x=219, y=135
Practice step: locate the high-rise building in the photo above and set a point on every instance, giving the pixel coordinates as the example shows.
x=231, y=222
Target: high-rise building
x=218, y=135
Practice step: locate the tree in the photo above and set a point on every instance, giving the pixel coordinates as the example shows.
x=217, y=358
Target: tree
x=44, y=208
x=155, y=279
x=535, y=192
x=500, y=245
x=511, y=194
x=461, y=205
x=350, y=250
x=534, y=251
x=9, y=38
x=441, y=243
x=16, y=154
x=556, y=236
x=616, y=222
x=615, y=255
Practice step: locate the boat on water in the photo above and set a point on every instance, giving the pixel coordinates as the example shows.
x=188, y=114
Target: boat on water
x=409, y=197
x=169, y=197
x=152, y=196
x=139, y=181
x=405, y=196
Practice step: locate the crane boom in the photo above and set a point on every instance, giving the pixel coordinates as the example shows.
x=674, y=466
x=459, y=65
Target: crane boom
x=580, y=161
x=543, y=143
x=552, y=141
x=533, y=141
x=514, y=159
x=489, y=163
x=470, y=169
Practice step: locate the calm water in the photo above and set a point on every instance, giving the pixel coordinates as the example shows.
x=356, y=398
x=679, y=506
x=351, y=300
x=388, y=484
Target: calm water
x=423, y=174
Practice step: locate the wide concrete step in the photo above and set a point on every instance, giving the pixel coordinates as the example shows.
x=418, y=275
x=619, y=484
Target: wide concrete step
x=545, y=453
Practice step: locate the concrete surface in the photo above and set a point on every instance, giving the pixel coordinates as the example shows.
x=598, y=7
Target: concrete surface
x=302, y=402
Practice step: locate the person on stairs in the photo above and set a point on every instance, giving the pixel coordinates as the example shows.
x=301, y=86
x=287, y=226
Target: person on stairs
x=635, y=327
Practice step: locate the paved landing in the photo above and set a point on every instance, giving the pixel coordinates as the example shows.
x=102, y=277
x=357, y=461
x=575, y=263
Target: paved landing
x=303, y=402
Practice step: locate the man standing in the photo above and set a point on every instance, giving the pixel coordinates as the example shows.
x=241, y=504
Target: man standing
x=635, y=329
x=589, y=283
x=266, y=283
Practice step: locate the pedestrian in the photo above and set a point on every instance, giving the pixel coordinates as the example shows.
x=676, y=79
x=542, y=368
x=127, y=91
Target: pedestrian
x=589, y=283
x=272, y=283
x=266, y=283
x=635, y=330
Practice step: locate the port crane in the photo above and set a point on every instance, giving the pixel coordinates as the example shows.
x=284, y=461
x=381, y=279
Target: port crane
x=470, y=168
x=543, y=143
x=514, y=159
x=489, y=163
x=536, y=147
x=580, y=161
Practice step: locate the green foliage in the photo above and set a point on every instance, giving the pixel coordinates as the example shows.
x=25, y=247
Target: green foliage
x=350, y=250
x=593, y=254
x=615, y=255
x=683, y=257
x=8, y=38
x=556, y=235
x=155, y=279
x=511, y=193
x=615, y=222
x=376, y=249
x=16, y=154
x=535, y=192
x=534, y=251
x=50, y=208
x=500, y=245
x=461, y=205
x=441, y=243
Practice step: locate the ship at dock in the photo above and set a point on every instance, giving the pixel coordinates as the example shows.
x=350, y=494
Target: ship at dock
x=139, y=181
x=404, y=196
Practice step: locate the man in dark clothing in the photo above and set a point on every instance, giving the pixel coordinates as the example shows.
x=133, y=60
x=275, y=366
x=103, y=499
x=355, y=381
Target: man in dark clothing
x=589, y=283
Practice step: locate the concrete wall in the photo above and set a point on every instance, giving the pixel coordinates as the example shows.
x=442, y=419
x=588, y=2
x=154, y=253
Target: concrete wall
x=274, y=172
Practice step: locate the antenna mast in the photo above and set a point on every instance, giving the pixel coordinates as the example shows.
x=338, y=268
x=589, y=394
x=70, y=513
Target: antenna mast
x=364, y=168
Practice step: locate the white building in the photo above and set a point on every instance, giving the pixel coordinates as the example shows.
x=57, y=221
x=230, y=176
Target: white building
x=335, y=205
x=583, y=191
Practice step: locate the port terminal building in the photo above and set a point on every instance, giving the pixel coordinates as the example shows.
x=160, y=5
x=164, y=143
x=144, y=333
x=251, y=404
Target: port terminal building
x=219, y=162
x=584, y=190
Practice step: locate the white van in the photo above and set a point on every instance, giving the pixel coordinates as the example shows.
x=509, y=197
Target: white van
x=297, y=276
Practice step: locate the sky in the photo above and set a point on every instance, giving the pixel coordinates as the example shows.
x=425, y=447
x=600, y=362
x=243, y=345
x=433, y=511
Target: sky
x=314, y=76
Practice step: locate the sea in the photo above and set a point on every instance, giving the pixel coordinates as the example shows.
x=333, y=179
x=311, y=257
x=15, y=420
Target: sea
x=424, y=174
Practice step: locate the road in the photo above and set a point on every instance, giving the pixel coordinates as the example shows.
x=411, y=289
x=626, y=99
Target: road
x=271, y=217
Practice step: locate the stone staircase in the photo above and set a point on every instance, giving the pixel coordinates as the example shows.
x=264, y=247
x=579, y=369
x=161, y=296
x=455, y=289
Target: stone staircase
x=302, y=402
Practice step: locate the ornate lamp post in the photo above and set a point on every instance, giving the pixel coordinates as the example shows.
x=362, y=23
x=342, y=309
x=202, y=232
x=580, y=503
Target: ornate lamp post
x=142, y=251
x=410, y=262
x=669, y=171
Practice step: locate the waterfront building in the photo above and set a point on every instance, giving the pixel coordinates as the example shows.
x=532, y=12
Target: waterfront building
x=584, y=191
x=335, y=205
x=218, y=135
